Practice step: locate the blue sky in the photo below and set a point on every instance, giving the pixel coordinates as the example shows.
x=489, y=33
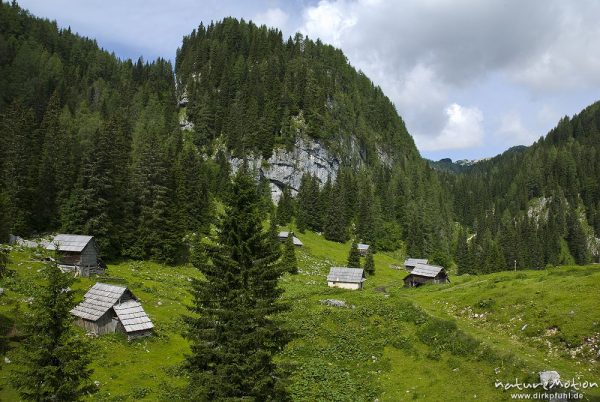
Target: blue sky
x=470, y=78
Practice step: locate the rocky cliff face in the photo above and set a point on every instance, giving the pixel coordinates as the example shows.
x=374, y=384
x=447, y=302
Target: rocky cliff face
x=285, y=168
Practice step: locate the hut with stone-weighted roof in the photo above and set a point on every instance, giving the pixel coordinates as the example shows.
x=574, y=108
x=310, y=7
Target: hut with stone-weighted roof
x=109, y=308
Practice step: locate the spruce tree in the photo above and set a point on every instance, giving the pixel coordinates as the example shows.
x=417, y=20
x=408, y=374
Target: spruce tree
x=234, y=333
x=354, y=257
x=369, y=263
x=285, y=208
x=336, y=228
x=577, y=239
x=4, y=259
x=53, y=362
x=462, y=253
x=289, y=261
x=4, y=224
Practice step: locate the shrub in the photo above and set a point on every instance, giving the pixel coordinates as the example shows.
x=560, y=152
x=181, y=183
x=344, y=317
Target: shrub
x=444, y=336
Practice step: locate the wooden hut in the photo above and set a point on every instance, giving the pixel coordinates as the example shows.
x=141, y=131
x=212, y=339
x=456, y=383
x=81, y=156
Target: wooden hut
x=424, y=273
x=108, y=309
x=411, y=263
x=76, y=253
x=284, y=235
x=346, y=278
x=363, y=249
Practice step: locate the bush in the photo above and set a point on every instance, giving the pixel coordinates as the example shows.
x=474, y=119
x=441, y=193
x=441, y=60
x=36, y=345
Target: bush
x=486, y=304
x=444, y=336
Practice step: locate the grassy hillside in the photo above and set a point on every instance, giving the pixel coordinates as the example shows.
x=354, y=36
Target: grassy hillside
x=434, y=343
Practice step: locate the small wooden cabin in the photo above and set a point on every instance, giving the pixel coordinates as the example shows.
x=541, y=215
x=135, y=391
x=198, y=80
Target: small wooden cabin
x=107, y=309
x=363, y=249
x=411, y=263
x=77, y=254
x=284, y=235
x=424, y=273
x=346, y=278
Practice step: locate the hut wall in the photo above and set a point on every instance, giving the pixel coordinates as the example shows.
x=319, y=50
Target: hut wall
x=138, y=334
x=104, y=324
x=345, y=285
x=89, y=256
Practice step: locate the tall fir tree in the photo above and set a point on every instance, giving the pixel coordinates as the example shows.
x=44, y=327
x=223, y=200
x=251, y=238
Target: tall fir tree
x=461, y=255
x=235, y=334
x=285, y=208
x=53, y=362
x=336, y=225
x=289, y=260
x=369, y=263
x=354, y=256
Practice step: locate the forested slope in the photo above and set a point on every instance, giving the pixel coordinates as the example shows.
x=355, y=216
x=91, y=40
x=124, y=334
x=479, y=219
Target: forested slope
x=251, y=90
x=92, y=144
x=536, y=206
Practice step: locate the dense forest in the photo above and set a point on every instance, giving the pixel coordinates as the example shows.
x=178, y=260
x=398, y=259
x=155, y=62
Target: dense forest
x=93, y=144
x=251, y=91
x=532, y=207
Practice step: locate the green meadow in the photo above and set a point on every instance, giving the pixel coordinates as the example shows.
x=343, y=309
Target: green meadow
x=434, y=343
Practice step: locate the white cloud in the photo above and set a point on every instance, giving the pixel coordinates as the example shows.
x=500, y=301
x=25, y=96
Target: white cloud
x=426, y=53
x=328, y=21
x=463, y=129
x=273, y=17
x=513, y=132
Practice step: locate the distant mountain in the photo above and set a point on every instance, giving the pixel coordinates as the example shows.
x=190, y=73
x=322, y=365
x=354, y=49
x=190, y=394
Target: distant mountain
x=463, y=165
x=447, y=165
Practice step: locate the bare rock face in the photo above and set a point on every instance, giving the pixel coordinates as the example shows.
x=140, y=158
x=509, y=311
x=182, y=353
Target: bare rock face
x=285, y=168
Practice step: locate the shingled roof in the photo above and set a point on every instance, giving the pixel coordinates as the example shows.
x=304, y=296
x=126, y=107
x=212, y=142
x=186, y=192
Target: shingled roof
x=132, y=316
x=285, y=235
x=69, y=242
x=347, y=275
x=429, y=271
x=98, y=300
x=413, y=262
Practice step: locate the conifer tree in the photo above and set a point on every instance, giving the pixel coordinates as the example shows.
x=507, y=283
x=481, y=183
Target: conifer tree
x=366, y=220
x=285, y=208
x=234, y=333
x=354, y=256
x=274, y=232
x=369, y=263
x=289, y=261
x=576, y=239
x=336, y=228
x=304, y=203
x=4, y=224
x=462, y=254
x=53, y=362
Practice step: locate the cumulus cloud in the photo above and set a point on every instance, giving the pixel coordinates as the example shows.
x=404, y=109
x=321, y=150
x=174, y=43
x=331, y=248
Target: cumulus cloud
x=512, y=128
x=463, y=129
x=424, y=52
x=273, y=17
